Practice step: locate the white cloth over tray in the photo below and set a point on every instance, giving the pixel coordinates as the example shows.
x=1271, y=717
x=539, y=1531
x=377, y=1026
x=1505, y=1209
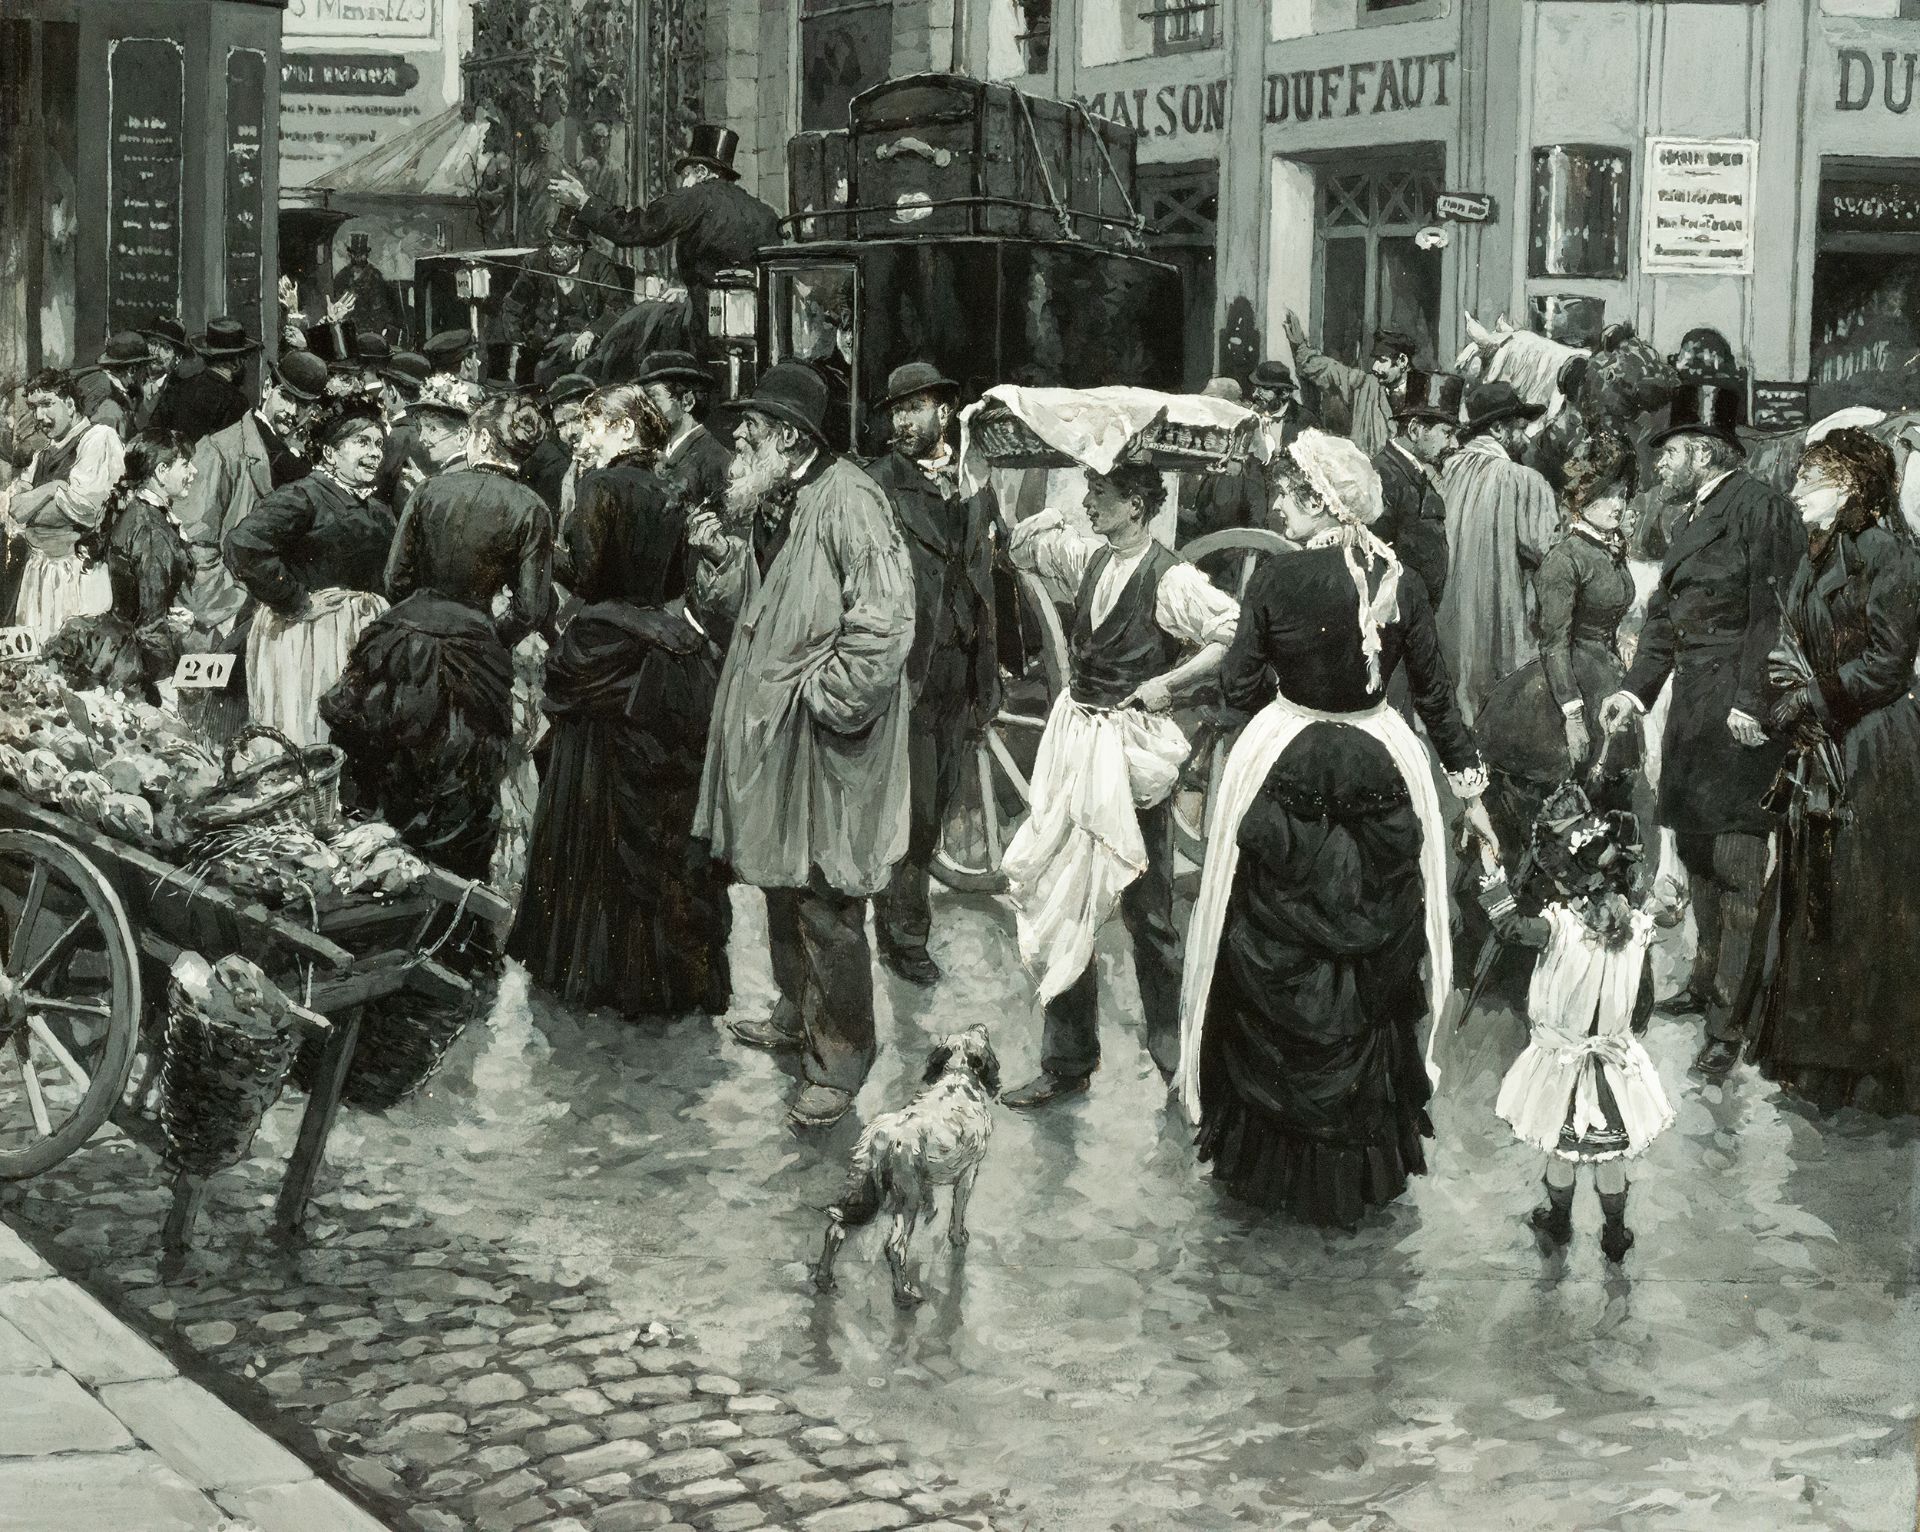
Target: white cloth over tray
x=1261, y=744
x=1080, y=845
x=1093, y=426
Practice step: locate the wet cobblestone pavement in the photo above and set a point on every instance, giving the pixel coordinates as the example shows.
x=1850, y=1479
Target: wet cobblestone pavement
x=468, y=1339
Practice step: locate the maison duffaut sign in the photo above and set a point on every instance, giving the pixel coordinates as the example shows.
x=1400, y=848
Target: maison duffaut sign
x=1359, y=88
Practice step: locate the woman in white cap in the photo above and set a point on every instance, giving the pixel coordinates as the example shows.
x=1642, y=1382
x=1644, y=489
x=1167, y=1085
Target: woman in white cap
x=1325, y=881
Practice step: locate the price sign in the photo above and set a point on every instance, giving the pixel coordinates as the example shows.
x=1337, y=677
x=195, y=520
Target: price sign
x=204, y=672
x=18, y=644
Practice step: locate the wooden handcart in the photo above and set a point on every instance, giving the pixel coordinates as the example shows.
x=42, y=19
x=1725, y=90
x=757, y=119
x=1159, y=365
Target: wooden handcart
x=91, y=928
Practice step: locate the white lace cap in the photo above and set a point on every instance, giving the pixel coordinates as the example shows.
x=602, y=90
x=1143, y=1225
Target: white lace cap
x=1340, y=474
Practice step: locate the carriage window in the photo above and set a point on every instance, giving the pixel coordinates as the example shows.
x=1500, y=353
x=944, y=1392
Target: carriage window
x=812, y=312
x=1580, y=212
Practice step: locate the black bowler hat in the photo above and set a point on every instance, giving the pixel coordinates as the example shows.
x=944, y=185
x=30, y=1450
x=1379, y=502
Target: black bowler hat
x=1704, y=409
x=302, y=374
x=1490, y=403
x=445, y=348
x=375, y=350
x=1431, y=396
x=711, y=145
x=225, y=338
x=166, y=327
x=915, y=378
x=1275, y=377
x=674, y=367
x=568, y=387
x=406, y=371
x=129, y=348
x=793, y=392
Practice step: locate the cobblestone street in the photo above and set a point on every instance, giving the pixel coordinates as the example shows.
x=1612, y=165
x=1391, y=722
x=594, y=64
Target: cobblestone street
x=486, y=1329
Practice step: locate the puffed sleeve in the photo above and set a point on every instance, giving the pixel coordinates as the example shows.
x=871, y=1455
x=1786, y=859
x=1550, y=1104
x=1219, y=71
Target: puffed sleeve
x=1193, y=609
x=1041, y=546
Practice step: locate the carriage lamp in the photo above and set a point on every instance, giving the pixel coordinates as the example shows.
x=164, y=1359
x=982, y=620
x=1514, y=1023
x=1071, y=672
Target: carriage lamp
x=473, y=283
x=733, y=313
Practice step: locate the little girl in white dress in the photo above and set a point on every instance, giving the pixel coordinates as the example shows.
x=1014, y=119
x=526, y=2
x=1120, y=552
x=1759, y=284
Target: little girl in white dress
x=1584, y=1091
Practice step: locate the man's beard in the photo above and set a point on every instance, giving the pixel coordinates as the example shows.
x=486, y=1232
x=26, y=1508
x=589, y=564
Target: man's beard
x=755, y=474
x=917, y=444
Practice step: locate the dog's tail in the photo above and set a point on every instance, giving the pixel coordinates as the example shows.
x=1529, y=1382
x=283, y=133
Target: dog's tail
x=865, y=1191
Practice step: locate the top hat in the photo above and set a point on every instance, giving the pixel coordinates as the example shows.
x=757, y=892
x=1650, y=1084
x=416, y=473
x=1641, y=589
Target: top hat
x=166, y=327
x=302, y=375
x=225, y=337
x=126, y=349
x=1490, y=403
x=1431, y=396
x=914, y=378
x=570, y=386
x=359, y=244
x=1704, y=409
x=711, y=145
x=1276, y=376
x=336, y=342
x=793, y=392
x=445, y=348
x=674, y=367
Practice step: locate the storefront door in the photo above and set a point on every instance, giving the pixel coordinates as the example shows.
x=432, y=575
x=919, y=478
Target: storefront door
x=1370, y=275
x=1182, y=208
x=1866, y=286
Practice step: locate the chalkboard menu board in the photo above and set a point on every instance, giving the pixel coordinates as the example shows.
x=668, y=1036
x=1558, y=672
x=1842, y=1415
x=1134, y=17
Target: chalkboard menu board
x=146, y=106
x=246, y=185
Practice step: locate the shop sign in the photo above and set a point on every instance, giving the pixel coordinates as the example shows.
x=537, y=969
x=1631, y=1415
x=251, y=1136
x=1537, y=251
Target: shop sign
x=1886, y=82
x=358, y=19
x=1699, y=206
x=1463, y=207
x=146, y=111
x=346, y=74
x=1780, y=406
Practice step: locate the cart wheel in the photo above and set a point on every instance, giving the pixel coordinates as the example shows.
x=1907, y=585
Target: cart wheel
x=1229, y=559
x=69, y=1001
x=992, y=796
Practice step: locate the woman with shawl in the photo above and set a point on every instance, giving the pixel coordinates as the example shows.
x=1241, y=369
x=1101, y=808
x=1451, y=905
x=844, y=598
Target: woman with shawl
x=1325, y=881
x=1838, y=1014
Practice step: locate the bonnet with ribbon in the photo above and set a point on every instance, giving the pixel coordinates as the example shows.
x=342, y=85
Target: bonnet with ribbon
x=1348, y=485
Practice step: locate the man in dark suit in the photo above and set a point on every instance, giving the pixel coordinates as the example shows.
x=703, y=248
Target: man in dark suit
x=563, y=301
x=1414, y=522
x=214, y=398
x=1237, y=495
x=694, y=460
x=1710, y=625
x=953, y=673
x=550, y=470
x=713, y=223
x=173, y=362
x=377, y=307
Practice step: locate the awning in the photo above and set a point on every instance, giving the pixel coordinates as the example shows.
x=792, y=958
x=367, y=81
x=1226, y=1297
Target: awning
x=439, y=158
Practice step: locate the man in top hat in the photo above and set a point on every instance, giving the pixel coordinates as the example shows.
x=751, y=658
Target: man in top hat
x=113, y=385
x=377, y=308
x=1501, y=520
x=1414, y=521
x=562, y=302
x=1370, y=395
x=551, y=469
x=805, y=788
x=694, y=460
x=953, y=669
x=1710, y=624
x=173, y=361
x=214, y=398
x=713, y=223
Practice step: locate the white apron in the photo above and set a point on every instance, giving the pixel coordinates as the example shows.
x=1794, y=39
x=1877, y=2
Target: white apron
x=291, y=662
x=1081, y=844
x=55, y=589
x=1262, y=743
x=1576, y=979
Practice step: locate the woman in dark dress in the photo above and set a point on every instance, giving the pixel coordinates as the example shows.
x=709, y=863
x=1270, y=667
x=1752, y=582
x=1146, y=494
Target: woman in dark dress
x=136, y=644
x=1538, y=729
x=1325, y=881
x=620, y=908
x=1835, y=1016
x=424, y=711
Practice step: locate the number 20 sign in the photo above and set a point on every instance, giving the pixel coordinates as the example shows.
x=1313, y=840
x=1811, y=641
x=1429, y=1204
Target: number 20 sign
x=207, y=672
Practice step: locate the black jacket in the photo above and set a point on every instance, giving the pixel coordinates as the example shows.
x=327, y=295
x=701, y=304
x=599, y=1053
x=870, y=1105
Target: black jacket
x=1414, y=521
x=469, y=534
x=310, y=535
x=951, y=545
x=198, y=404
x=697, y=467
x=545, y=469
x=1710, y=624
x=377, y=309
x=714, y=226
x=537, y=310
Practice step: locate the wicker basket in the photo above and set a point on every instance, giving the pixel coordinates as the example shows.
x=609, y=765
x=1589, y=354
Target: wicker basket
x=304, y=783
x=217, y=1080
x=403, y=1038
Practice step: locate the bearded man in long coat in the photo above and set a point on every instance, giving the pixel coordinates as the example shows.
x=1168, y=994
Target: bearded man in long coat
x=1501, y=520
x=806, y=788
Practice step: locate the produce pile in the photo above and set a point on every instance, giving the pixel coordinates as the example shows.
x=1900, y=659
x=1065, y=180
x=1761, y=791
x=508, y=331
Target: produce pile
x=134, y=772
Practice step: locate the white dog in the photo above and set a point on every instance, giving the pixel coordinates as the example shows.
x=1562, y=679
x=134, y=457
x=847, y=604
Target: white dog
x=936, y=1140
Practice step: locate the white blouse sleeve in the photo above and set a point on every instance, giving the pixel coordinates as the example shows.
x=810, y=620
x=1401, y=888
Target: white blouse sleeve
x=1057, y=554
x=81, y=498
x=1193, y=609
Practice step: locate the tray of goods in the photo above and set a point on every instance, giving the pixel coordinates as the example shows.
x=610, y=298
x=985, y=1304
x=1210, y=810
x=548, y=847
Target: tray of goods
x=1007, y=441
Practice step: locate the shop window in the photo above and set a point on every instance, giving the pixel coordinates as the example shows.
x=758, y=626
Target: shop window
x=1374, y=13
x=1373, y=275
x=845, y=47
x=1581, y=215
x=1184, y=26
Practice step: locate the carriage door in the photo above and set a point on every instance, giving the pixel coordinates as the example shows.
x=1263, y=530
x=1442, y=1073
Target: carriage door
x=1181, y=204
x=1370, y=274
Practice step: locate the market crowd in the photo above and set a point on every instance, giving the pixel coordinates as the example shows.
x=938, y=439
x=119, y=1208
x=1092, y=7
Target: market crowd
x=745, y=658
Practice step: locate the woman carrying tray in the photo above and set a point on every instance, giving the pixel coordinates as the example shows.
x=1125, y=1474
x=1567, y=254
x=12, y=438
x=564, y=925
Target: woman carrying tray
x=314, y=554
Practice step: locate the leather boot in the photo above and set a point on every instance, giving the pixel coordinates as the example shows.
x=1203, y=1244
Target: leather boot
x=1616, y=1239
x=1553, y=1219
